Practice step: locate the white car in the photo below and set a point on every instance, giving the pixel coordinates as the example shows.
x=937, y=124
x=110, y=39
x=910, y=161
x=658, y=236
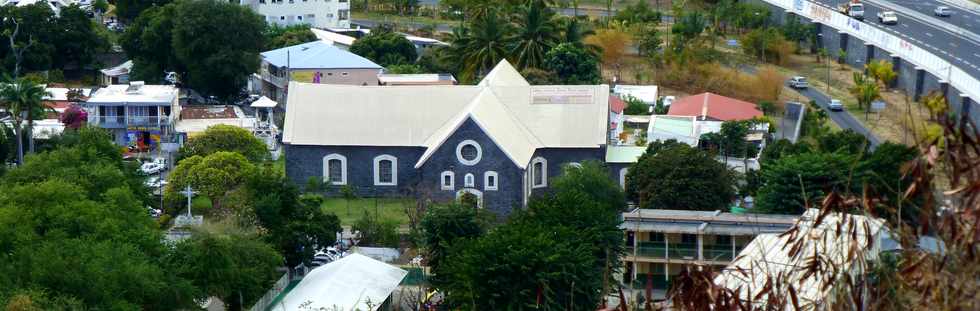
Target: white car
x=888, y=18
x=158, y=165
x=668, y=100
x=835, y=105
x=798, y=82
x=942, y=11
x=155, y=182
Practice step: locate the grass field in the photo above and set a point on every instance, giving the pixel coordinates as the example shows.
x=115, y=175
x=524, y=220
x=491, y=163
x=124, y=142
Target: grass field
x=389, y=208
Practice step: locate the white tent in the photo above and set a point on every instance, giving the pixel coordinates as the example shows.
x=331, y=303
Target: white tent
x=264, y=102
x=355, y=282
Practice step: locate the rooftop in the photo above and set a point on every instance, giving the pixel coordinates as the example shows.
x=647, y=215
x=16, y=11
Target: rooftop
x=646, y=93
x=710, y=106
x=416, y=79
x=706, y=222
x=680, y=128
x=317, y=55
x=118, y=70
x=355, y=282
x=135, y=92
x=624, y=154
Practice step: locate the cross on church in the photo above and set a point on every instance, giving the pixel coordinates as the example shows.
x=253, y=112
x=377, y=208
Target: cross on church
x=189, y=193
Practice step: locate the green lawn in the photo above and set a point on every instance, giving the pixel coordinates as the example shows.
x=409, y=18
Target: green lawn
x=389, y=208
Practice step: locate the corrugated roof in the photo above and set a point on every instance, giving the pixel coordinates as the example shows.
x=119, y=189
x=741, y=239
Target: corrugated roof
x=616, y=104
x=118, y=70
x=517, y=116
x=680, y=128
x=127, y=93
x=714, y=107
x=624, y=154
x=333, y=37
x=355, y=282
x=317, y=55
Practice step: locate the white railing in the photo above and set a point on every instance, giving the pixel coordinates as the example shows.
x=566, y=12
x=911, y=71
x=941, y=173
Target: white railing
x=271, y=295
x=909, y=52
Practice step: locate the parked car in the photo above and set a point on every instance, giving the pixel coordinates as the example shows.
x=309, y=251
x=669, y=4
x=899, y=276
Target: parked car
x=835, y=105
x=888, y=17
x=155, y=213
x=155, y=182
x=669, y=100
x=798, y=82
x=158, y=165
x=942, y=11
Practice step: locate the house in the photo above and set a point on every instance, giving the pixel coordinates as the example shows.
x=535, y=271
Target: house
x=354, y=282
x=315, y=13
x=193, y=120
x=339, y=40
x=416, y=79
x=830, y=236
x=617, y=107
x=313, y=62
x=54, y=5
x=136, y=114
x=680, y=128
x=501, y=140
x=661, y=243
x=714, y=107
x=118, y=74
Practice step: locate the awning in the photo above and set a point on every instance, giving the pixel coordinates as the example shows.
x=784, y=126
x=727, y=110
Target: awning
x=264, y=102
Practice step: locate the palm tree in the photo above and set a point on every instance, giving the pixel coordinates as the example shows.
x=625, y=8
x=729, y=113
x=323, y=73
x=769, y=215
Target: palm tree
x=22, y=99
x=575, y=32
x=482, y=44
x=865, y=90
x=537, y=33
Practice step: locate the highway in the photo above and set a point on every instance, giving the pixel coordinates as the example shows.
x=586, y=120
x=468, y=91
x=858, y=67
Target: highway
x=918, y=25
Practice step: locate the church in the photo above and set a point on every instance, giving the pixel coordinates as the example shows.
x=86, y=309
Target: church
x=501, y=140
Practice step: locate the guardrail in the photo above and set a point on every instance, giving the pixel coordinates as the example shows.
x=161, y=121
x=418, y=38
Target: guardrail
x=907, y=51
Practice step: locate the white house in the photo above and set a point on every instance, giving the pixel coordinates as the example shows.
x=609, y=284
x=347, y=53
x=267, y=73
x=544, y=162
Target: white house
x=646, y=93
x=316, y=13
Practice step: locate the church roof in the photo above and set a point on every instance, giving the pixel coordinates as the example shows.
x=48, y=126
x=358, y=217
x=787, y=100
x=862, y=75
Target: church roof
x=518, y=117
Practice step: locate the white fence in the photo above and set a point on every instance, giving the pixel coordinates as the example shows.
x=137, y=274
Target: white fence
x=271, y=295
x=909, y=52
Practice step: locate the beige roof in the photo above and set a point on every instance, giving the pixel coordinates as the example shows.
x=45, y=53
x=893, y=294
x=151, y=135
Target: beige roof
x=518, y=117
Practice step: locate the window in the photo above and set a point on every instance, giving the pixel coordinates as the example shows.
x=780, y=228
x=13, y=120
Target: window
x=343, y=14
x=490, y=181
x=282, y=18
x=335, y=169
x=656, y=236
x=622, y=177
x=689, y=238
x=299, y=17
x=723, y=240
x=344, y=74
x=468, y=152
x=385, y=170
x=539, y=172
x=469, y=181
x=447, y=180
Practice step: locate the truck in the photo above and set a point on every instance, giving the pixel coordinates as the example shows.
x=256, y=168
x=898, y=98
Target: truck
x=854, y=9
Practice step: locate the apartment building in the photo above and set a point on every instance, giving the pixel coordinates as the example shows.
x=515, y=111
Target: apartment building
x=138, y=115
x=662, y=243
x=315, y=13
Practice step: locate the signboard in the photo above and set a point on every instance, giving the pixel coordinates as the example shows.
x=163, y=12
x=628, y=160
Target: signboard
x=562, y=95
x=877, y=105
x=732, y=42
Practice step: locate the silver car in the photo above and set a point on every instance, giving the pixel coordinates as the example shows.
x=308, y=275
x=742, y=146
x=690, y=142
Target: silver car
x=942, y=11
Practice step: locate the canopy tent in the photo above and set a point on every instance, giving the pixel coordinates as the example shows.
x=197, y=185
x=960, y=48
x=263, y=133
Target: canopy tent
x=355, y=282
x=264, y=102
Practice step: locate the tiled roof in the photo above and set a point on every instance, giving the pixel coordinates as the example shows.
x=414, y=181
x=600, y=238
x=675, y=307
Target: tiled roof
x=709, y=106
x=616, y=104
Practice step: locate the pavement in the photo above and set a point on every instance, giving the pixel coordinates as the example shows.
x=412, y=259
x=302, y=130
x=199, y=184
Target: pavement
x=954, y=38
x=842, y=118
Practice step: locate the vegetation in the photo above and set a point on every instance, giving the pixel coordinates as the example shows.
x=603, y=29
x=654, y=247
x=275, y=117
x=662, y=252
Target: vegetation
x=46, y=42
x=22, y=99
x=673, y=175
x=214, y=176
x=385, y=47
x=183, y=37
x=442, y=227
x=226, y=138
x=572, y=65
x=277, y=37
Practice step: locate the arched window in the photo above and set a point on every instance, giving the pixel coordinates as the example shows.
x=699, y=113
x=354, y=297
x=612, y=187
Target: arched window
x=447, y=180
x=385, y=170
x=539, y=172
x=469, y=181
x=335, y=169
x=622, y=177
x=490, y=181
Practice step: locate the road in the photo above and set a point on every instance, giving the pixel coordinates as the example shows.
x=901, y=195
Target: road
x=918, y=25
x=842, y=118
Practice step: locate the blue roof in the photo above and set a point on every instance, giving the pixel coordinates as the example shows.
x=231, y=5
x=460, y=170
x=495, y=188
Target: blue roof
x=317, y=55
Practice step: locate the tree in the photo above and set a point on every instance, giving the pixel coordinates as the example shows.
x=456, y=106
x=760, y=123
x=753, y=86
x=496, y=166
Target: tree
x=236, y=267
x=882, y=71
x=572, y=65
x=192, y=38
x=649, y=40
x=591, y=178
x=574, y=32
x=635, y=106
x=294, y=224
x=214, y=175
x=404, y=69
x=613, y=42
x=847, y=141
x=480, y=45
x=790, y=177
x=375, y=231
x=77, y=41
x=782, y=148
x=536, y=76
x=22, y=99
x=689, y=26
x=279, y=37
x=74, y=117
x=226, y=138
x=30, y=33
x=442, y=226
x=129, y=10
x=638, y=13
x=798, y=32
x=865, y=91
x=385, y=47
x=537, y=32
x=673, y=175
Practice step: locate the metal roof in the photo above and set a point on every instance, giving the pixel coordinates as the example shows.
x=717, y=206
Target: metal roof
x=705, y=222
x=317, y=55
x=624, y=154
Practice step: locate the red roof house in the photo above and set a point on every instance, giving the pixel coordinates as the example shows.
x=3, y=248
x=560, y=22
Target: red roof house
x=616, y=104
x=714, y=107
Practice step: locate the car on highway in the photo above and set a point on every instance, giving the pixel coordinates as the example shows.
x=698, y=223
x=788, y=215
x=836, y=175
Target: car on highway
x=942, y=11
x=835, y=105
x=798, y=82
x=888, y=17
x=854, y=9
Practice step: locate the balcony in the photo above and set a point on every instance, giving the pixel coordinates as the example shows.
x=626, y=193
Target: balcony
x=684, y=251
x=121, y=122
x=718, y=252
x=658, y=282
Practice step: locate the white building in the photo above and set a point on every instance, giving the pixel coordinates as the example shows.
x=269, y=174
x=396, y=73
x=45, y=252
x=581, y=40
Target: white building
x=136, y=114
x=316, y=13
